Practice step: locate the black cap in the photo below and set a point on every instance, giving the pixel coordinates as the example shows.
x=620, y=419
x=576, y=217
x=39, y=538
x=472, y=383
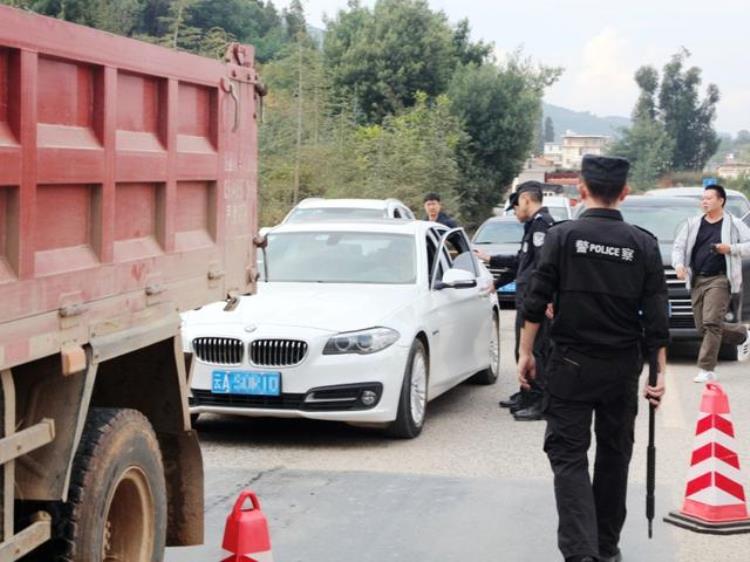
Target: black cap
x=525, y=187
x=605, y=170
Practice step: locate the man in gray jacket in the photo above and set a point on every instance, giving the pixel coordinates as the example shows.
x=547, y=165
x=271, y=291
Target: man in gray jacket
x=708, y=254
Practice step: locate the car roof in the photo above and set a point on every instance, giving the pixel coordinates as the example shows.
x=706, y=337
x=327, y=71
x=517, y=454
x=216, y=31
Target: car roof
x=657, y=201
x=556, y=201
x=317, y=203
x=392, y=226
x=686, y=192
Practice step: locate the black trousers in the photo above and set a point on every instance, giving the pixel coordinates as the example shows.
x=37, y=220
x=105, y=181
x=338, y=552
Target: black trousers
x=581, y=388
x=542, y=349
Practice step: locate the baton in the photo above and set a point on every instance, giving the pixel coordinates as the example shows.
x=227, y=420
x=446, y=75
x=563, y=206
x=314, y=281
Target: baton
x=653, y=369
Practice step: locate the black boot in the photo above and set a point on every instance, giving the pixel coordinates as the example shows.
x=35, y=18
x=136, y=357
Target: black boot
x=511, y=401
x=617, y=557
x=532, y=413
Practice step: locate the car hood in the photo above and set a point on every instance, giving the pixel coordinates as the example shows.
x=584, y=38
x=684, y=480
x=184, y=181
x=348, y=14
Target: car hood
x=327, y=307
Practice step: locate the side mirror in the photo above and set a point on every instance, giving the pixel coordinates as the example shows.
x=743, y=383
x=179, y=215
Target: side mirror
x=456, y=279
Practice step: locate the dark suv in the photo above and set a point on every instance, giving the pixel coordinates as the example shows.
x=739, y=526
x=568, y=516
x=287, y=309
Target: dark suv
x=664, y=216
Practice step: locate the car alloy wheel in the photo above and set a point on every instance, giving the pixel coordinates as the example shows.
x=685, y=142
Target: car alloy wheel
x=418, y=390
x=495, y=347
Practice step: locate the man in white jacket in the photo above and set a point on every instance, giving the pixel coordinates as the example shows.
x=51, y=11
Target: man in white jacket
x=708, y=254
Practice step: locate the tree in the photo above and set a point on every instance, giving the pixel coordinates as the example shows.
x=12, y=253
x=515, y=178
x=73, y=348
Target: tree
x=687, y=120
x=294, y=18
x=672, y=129
x=499, y=107
x=649, y=149
x=647, y=78
x=549, y=130
x=382, y=58
x=467, y=52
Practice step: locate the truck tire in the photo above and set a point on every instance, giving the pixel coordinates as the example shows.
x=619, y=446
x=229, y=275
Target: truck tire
x=117, y=507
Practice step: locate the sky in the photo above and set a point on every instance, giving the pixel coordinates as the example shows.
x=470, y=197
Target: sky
x=601, y=44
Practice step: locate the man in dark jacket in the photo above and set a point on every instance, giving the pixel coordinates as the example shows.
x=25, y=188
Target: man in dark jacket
x=433, y=209
x=526, y=202
x=607, y=281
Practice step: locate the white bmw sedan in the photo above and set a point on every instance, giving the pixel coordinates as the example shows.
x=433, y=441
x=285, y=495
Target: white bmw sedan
x=359, y=322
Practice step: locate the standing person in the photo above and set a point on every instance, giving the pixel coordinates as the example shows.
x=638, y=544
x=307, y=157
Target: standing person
x=433, y=209
x=607, y=281
x=708, y=254
x=526, y=201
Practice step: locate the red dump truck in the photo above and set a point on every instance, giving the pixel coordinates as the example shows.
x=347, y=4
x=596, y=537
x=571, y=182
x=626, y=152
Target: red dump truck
x=128, y=183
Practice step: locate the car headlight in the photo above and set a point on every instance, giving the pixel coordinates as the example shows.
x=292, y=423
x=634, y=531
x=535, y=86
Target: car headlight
x=362, y=343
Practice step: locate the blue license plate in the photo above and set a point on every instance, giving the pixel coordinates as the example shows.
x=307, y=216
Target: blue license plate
x=255, y=383
x=509, y=288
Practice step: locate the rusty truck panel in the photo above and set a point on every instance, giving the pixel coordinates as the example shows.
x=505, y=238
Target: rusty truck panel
x=128, y=193
x=127, y=180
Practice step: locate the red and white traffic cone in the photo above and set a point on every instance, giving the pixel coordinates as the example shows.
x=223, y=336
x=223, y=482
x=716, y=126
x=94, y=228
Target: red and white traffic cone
x=715, y=500
x=246, y=532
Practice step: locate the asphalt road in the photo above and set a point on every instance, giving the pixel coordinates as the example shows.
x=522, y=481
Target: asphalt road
x=474, y=487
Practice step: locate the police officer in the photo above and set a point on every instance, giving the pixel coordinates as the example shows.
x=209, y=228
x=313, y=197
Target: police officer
x=607, y=282
x=526, y=202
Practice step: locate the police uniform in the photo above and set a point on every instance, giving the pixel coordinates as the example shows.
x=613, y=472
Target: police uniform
x=606, y=280
x=523, y=265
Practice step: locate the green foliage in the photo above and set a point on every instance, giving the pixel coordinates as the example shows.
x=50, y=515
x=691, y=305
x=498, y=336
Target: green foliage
x=397, y=102
x=686, y=119
x=649, y=149
x=672, y=129
x=381, y=58
x=500, y=107
x=647, y=78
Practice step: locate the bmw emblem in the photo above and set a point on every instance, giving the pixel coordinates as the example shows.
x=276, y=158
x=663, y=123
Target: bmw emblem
x=250, y=328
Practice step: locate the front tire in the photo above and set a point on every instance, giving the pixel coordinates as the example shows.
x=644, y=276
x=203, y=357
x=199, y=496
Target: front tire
x=412, y=404
x=117, y=507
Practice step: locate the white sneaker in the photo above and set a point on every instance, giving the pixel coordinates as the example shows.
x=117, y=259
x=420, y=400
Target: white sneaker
x=743, y=350
x=705, y=376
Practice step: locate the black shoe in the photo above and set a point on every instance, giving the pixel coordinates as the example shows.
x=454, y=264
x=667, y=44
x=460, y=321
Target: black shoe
x=511, y=401
x=532, y=413
x=617, y=557
x=524, y=401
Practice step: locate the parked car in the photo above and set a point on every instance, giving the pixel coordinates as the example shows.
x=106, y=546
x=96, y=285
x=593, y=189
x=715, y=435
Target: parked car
x=348, y=209
x=737, y=202
x=358, y=322
x=664, y=216
x=559, y=207
x=501, y=235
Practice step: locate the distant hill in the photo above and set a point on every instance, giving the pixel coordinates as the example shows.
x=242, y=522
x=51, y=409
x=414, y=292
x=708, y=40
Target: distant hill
x=583, y=122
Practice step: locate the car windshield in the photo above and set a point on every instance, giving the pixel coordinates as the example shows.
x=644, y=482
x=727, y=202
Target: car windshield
x=500, y=232
x=663, y=222
x=341, y=257
x=335, y=213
